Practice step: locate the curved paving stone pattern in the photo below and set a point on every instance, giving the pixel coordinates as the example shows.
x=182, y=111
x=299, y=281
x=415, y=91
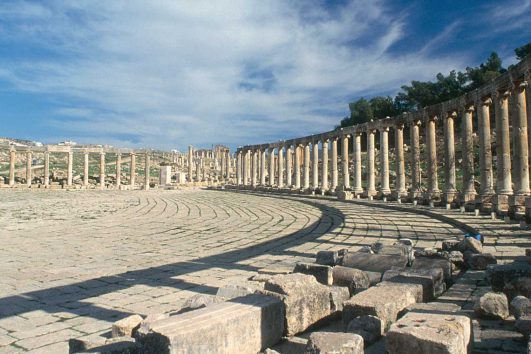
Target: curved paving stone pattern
x=74, y=262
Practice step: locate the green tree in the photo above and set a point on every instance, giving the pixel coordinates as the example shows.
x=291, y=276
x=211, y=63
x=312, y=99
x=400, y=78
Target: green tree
x=523, y=51
x=486, y=72
x=383, y=107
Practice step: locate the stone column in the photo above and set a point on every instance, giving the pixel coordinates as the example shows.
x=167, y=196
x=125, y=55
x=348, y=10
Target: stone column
x=503, y=151
x=263, y=167
x=86, y=169
x=315, y=165
x=102, y=170
x=147, y=172
x=28, y=169
x=70, y=168
x=306, y=183
x=324, y=166
x=358, y=188
x=485, y=153
x=345, y=161
x=118, y=169
x=271, y=167
x=297, y=167
x=46, y=168
x=521, y=143
x=289, y=158
x=280, y=167
x=133, y=170
x=334, y=165
x=384, y=161
x=371, y=183
x=450, y=191
x=467, y=144
x=198, y=169
x=239, y=168
x=227, y=165
x=190, y=163
x=12, y=159
x=415, y=160
x=431, y=157
x=400, y=182
x=254, y=169
x=223, y=161
x=246, y=168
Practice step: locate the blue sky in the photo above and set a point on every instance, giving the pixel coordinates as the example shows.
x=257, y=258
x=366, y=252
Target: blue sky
x=165, y=74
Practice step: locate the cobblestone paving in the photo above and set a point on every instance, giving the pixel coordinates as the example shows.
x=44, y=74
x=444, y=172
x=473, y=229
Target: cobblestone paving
x=74, y=262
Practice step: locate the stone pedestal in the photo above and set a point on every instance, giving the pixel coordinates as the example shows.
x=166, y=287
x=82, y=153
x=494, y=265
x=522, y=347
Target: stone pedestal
x=516, y=206
x=165, y=175
x=501, y=203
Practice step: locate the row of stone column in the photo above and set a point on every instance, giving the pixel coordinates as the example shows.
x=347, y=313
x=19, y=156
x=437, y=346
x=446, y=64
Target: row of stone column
x=12, y=159
x=222, y=164
x=512, y=182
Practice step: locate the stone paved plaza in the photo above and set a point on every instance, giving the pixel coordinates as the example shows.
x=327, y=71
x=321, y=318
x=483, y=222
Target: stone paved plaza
x=73, y=262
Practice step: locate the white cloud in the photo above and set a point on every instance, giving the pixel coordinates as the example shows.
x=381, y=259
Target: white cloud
x=202, y=72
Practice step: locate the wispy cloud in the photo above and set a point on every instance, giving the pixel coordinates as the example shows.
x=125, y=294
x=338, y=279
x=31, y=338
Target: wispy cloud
x=202, y=72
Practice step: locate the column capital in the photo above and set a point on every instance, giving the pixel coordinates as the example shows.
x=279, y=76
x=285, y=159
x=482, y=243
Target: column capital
x=522, y=85
x=486, y=101
x=416, y=121
x=503, y=93
x=384, y=128
x=469, y=108
x=432, y=118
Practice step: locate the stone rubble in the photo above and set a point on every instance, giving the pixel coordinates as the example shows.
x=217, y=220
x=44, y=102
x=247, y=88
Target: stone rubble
x=492, y=305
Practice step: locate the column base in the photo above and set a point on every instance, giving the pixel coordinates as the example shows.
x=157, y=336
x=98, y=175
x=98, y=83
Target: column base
x=501, y=204
x=432, y=196
x=370, y=193
x=358, y=191
x=345, y=195
x=517, y=206
x=417, y=194
x=528, y=210
x=451, y=197
x=468, y=197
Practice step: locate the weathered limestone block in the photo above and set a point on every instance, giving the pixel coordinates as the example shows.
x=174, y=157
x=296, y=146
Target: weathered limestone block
x=338, y=295
x=322, y=273
x=368, y=327
x=199, y=301
x=470, y=244
x=373, y=262
x=306, y=301
x=330, y=258
x=246, y=324
x=518, y=286
x=398, y=249
x=126, y=326
x=354, y=279
x=383, y=301
x=507, y=278
x=345, y=195
x=144, y=325
x=374, y=277
x=433, y=307
x=431, y=279
x=479, y=261
x=118, y=345
x=334, y=343
x=492, y=305
x=431, y=263
x=429, y=333
x=520, y=306
x=242, y=288
x=450, y=245
x=457, y=259
x=523, y=325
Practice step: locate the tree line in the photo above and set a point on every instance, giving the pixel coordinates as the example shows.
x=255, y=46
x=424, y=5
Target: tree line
x=425, y=93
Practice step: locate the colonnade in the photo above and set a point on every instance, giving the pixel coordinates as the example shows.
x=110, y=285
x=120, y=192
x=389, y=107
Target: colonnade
x=506, y=99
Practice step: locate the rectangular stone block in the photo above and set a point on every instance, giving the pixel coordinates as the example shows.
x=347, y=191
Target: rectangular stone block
x=429, y=333
x=322, y=273
x=431, y=279
x=306, y=301
x=433, y=263
x=374, y=262
x=246, y=324
x=384, y=301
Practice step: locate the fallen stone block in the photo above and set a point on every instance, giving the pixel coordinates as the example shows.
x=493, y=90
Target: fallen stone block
x=429, y=333
x=126, y=326
x=322, y=273
x=373, y=262
x=385, y=301
x=330, y=258
x=520, y=306
x=479, y=261
x=470, y=244
x=230, y=291
x=431, y=263
x=354, y=279
x=334, y=343
x=513, y=279
x=374, y=277
x=492, y=305
x=523, y=325
x=519, y=286
x=368, y=327
x=199, y=301
x=118, y=345
x=144, y=325
x=306, y=301
x=338, y=295
x=433, y=308
x=276, y=269
x=345, y=195
x=450, y=245
x=457, y=259
x=246, y=324
x=431, y=280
